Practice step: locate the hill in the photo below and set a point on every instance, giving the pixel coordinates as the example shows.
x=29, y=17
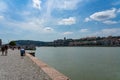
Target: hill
x=29, y=42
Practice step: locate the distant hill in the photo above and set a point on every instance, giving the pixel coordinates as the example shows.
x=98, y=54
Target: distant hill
x=30, y=42
x=88, y=41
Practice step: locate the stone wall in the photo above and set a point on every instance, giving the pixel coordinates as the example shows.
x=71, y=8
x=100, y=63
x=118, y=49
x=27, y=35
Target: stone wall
x=46, y=72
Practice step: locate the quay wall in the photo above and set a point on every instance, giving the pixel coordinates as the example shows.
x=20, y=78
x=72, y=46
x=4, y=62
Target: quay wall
x=46, y=72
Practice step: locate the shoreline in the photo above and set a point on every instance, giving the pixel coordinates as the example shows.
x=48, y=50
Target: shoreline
x=48, y=72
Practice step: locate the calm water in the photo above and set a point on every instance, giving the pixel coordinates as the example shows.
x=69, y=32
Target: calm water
x=83, y=63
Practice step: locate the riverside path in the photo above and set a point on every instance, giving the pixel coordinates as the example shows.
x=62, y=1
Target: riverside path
x=12, y=67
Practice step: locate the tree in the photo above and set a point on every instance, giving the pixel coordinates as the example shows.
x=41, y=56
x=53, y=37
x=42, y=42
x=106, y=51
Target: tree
x=12, y=43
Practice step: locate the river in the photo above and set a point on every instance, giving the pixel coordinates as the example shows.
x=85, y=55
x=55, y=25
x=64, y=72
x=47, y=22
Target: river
x=83, y=63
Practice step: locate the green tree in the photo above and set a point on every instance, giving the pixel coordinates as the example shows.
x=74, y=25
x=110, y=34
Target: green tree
x=12, y=43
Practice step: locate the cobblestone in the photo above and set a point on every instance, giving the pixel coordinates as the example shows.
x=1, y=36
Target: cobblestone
x=13, y=67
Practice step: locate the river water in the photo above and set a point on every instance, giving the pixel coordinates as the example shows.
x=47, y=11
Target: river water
x=83, y=63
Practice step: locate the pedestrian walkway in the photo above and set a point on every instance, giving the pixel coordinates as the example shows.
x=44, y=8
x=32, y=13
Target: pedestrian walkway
x=12, y=67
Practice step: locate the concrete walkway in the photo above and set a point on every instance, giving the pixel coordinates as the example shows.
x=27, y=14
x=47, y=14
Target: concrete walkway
x=12, y=67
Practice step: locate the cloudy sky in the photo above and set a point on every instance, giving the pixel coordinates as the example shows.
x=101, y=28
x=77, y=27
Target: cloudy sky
x=48, y=20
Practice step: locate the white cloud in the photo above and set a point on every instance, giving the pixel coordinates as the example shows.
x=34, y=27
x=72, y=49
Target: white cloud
x=1, y=17
x=25, y=13
x=112, y=31
x=118, y=11
x=110, y=22
x=3, y=6
x=104, y=15
x=67, y=21
x=30, y=26
x=67, y=4
x=33, y=25
x=48, y=29
x=84, y=30
x=51, y=5
x=67, y=33
x=87, y=19
x=108, y=32
x=37, y=4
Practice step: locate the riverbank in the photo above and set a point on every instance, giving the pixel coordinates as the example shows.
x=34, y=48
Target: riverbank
x=13, y=67
x=47, y=72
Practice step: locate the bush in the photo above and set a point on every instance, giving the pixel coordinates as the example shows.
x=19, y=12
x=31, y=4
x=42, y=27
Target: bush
x=12, y=43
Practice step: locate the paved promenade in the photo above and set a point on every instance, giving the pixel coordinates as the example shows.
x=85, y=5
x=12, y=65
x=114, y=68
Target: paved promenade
x=12, y=67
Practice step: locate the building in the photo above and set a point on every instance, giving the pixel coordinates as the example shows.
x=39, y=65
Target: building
x=0, y=42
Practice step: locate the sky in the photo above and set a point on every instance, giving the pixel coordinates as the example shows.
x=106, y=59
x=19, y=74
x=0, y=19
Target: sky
x=48, y=20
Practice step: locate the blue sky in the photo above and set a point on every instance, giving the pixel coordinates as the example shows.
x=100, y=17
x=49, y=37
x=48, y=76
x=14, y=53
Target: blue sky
x=48, y=20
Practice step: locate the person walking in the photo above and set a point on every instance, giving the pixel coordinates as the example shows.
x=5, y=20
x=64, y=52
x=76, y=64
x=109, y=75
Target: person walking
x=22, y=52
x=3, y=50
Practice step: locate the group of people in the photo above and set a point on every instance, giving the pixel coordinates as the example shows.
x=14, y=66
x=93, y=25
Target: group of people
x=4, y=50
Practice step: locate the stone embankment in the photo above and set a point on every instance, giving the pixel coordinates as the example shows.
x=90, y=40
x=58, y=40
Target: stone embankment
x=13, y=67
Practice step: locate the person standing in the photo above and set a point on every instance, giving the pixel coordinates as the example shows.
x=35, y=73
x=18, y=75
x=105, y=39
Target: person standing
x=6, y=50
x=22, y=52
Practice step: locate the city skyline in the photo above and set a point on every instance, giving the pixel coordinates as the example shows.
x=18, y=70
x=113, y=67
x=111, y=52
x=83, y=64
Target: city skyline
x=48, y=20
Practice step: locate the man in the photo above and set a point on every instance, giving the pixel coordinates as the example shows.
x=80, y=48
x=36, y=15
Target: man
x=22, y=52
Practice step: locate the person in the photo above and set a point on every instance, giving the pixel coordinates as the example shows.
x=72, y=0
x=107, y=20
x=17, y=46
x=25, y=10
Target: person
x=3, y=50
x=6, y=50
x=22, y=52
x=19, y=48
